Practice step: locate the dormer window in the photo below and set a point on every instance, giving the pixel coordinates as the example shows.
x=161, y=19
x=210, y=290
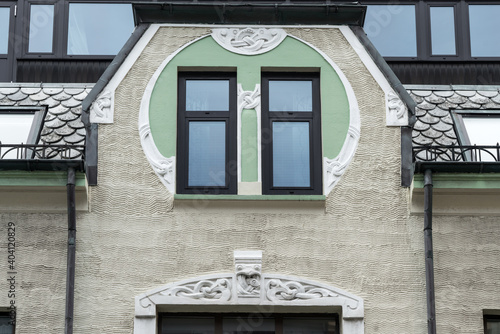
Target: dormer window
x=19, y=125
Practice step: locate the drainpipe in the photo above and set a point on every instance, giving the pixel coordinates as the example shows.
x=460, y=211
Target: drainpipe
x=70, y=271
x=429, y=260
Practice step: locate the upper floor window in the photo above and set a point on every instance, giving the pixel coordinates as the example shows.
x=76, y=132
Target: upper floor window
x=427, y=30
x=4, y=29
x=41, y=31
x=98, y=28
x=206, y=133
x=291, y=134
x=484, y=27
x=392, y=29
x=491, y=324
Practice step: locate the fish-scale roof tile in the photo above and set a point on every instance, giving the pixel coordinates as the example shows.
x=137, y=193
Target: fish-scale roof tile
x=438, y=112
x=479, y=99
x=434, y=99
x=55, y=123
x=447, y=105
x=496, y=99
x=71, y=103
x=58, y=110
x=457, y=99
x=40, y=96
x=51, y=138
x=421, y=126
x=74, y=91
x=442, y=126
x=426, y=105
x=421, y=140
x=68, y=117
x=30, y=90
x=488, y=93
x=50, y=102
x=6, y=102
x=81, y=96
x=444, y=93
x=420, y=112
x=422, y=93
x=445, y=141
x=64, y=131
x=9, y=90
x=76, y=124
x=470, y=105
x=81, y=132
x=52, y=90
x=74, y=139
x=466, y=93
x=17, y=96
x=28, y=102
x=491, y=105
x=429, y=119
x=431, y=133
x=62, y=96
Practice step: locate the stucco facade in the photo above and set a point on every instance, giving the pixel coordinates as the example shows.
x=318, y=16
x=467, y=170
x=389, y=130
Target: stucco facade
x=362, y=238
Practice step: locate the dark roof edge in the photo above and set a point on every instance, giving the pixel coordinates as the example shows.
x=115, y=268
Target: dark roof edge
x=111, y=70
x=388, y=73
x=247, y=12
x=41, y=164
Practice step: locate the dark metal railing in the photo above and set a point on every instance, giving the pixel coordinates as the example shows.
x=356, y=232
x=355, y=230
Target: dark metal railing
x=41, y=151
x=457, y=153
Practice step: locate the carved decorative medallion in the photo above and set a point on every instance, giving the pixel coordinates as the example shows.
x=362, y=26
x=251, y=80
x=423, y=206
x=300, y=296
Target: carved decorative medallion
x=248, y=41
x=277, y=289
x=248, y=265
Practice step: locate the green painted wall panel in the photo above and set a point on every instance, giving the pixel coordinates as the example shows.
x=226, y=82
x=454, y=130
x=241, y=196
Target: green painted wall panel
x=249, y=159
x=291, y=53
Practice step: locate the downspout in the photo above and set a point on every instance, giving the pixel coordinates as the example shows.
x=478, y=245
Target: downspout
x=70, y=270
x=429, y=260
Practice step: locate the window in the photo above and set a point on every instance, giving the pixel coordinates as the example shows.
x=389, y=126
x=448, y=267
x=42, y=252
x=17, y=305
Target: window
x=98, y=29
x=249, y=323
x=484, y=25
x=4, y=29
x=41, y=28
x=428, y=30
x=19, y=126
x=206, y=133
x=478, y=128
x=443, y=31
x=392, y=29
x=291, y=134
x=6, y=326
x=492, y=324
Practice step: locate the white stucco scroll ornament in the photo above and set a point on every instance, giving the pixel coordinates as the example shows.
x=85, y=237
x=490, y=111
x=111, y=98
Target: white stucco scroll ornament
x=101, y=110
x=248, y=287
x=248, y=41
x=397, y=112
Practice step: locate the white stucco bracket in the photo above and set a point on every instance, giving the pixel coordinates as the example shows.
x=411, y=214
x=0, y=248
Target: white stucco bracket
x=102, y=109
x=396, y=110
x=248, y=286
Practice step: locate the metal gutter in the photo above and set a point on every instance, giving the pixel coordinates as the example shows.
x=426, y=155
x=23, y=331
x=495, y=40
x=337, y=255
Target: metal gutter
x=429, y=257
x=458, y=167
x=41, y=165
x=92, y=129
x=71, y=253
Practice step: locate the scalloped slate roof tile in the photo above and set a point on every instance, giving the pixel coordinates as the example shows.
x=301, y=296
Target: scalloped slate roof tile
x=434, y=125
x=63, y=120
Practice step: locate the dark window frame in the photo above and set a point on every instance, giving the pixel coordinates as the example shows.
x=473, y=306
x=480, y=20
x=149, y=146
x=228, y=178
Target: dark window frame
x=56, y=30
x=7, y=59
x=489, y=318
x=278, y=317
x=183, y=118
x=315, y=143
x=462, y=30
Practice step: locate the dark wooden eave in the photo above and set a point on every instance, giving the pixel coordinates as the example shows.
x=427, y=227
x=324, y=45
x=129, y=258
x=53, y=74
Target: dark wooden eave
x=232, y=12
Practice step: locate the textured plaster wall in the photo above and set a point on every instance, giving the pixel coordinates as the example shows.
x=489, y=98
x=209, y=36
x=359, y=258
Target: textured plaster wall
x=136, y=239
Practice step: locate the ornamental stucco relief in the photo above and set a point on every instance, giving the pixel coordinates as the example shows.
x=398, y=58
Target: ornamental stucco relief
x=248, y=41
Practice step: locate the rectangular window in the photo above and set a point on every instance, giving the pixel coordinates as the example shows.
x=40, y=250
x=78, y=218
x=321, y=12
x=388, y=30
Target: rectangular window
x=19, y=125
x=98, y=29
x=392, y=29
x=206, y=150
x=443, y=31
x=249, y=323
x=478, y=128
x=6, y=326
x=41, y=28
x=291, y=134
x=4, y=29
x=492, y=324
x=484, y=27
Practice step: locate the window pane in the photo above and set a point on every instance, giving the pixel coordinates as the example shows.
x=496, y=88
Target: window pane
x=291, y=157
x=5, y=327
x=188, y=325
x=14, y=129
x=4, y=29
x=207, y=95
x=288, y=95
x=98, y=29
x=309, y=326
x=443, y=30
x=392, y=29
x=249, y=323
x=41, y=28
x=493, y=327
x=207, y=153
x=483, y=132
x=484, y=27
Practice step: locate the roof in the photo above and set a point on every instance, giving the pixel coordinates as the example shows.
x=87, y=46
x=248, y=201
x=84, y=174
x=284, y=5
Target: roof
x=63, y=125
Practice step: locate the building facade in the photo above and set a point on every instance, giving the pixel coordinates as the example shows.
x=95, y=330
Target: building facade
x=249, y=168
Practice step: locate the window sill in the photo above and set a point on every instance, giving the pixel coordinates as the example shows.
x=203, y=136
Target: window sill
x=250, y=197
x=251, y=203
